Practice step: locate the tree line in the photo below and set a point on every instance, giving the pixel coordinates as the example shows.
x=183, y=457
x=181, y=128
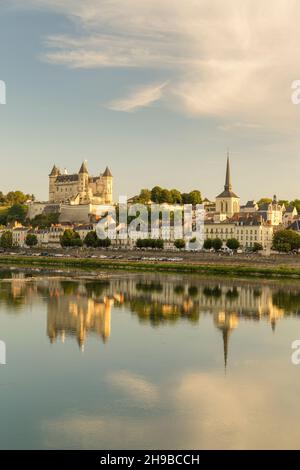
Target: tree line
x=15, y=197
x=286, y=202
x=160, y=195
x=285, y=240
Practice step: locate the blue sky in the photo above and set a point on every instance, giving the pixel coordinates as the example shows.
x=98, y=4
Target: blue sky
x=157, y=90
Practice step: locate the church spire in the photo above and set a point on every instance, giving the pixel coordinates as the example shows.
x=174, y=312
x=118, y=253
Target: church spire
x=228, y=185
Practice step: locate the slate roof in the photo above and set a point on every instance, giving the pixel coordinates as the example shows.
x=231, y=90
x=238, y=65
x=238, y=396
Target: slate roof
x=107, y=172
x=67, y=178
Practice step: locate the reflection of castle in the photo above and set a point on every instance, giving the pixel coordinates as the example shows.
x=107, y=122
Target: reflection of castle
x=78, y=316
x=81, y=308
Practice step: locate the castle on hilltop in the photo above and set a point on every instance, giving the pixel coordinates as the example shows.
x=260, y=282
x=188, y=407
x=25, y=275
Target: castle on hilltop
x=81, y=187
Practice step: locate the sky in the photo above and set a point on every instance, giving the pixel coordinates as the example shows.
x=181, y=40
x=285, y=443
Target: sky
x=158, y=90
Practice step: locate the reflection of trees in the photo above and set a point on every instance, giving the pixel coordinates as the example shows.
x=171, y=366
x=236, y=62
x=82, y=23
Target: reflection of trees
x=288, y=301
x=149, y=287
x=193, y=291
x=157, y=313
x=212, y=292
x=69, y=287
x=96, y=288
x=232, y=294
x=156, y=299
x=179, y=290
x=257, y=293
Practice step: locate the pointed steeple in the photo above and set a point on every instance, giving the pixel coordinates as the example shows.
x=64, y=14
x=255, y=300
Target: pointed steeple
x=228, y=185
x=55, y=171
x=83, y=168
x=107, y=172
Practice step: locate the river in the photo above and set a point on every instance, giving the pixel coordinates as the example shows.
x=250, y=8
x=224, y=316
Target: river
x=148, y=361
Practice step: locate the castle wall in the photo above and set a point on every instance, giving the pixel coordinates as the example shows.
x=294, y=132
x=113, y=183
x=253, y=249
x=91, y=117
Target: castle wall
x=76, y=213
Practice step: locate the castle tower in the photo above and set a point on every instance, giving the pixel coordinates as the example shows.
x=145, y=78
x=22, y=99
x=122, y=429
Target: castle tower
x=52, y=179
x=228, y=202
x=107, y=186
x=83, y=180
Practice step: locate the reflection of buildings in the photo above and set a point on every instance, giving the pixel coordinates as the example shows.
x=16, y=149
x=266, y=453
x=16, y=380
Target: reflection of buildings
x=78, y=316
x=78, y=309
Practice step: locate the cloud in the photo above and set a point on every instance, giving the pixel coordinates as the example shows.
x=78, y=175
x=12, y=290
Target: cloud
x=232, y=61
x=195, y=410
x=143, y=96
x=239, y=125
x=136, y=387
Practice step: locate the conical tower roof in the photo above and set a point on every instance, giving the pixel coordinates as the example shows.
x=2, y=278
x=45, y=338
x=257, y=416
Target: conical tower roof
x=107, y=172
x=55, y=171
x=83, y=168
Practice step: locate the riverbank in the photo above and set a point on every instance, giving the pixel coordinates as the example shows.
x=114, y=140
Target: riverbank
x=216, y=266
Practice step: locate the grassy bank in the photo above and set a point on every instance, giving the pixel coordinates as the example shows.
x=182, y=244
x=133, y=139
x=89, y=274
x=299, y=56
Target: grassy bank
x=179, y=267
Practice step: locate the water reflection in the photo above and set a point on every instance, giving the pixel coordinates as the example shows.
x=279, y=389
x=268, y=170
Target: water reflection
x=158, y=381
x=80, y=308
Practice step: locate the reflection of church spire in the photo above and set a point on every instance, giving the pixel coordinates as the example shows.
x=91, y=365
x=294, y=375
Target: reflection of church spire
x=273, y=324
x=226, y=334
x=226, y=322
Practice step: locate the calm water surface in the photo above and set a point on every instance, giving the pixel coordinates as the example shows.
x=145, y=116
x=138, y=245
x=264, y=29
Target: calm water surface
x=146, y=361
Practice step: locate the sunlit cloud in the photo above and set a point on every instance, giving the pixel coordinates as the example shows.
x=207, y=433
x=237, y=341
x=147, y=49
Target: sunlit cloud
x=234, y=61
x=198, y=410
x=135, y=386
x=143, y=96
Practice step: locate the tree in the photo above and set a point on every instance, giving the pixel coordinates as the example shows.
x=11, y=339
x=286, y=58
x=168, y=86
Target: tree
x=17, y=212
x=91, y=240
x=195, y=197
x=17, y=197
x=296, y=203
x=185, y=197
x=104, y=243
x=284, y=202
x=6, y=240
x=70, y=238
x=286, y=240
x=207, y=244
x=45, y=220
x=156, y=194
x=180, y=244
x=149, y=243
x=264, y=200
x=176, y=196
x=3, y=217
x=31, y=240
x=144, y=196
x=166, y=197
x=257, y=247
x=233, y=244
x=217, y=244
